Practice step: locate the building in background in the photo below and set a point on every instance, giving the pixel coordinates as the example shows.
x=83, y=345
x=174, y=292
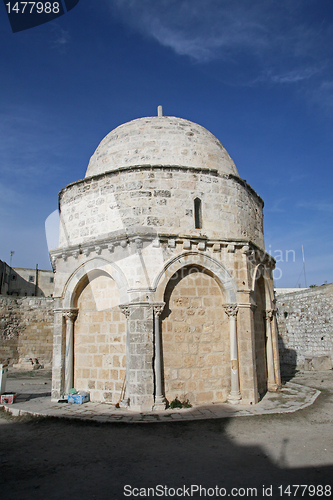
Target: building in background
x=23, y=282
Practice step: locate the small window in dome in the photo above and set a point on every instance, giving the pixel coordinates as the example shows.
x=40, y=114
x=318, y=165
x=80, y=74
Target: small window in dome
x=197, y=214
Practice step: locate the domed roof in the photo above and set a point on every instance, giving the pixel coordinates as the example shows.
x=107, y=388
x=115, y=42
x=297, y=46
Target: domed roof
x=160, y=140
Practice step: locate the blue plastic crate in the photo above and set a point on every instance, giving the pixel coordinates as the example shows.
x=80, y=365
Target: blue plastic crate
x=79, y=398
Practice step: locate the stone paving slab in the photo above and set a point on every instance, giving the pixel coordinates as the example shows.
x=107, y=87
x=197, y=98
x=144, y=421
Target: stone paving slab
x=35, y=399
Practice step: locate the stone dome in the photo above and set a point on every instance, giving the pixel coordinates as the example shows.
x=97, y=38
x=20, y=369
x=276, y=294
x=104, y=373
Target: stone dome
x=160, y=140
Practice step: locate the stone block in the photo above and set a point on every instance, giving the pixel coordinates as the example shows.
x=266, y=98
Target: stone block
x=98, y=360
x=91, y=384
x=189, y=361
x=318, y=363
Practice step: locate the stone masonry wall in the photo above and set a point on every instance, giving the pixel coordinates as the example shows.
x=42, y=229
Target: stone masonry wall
x=196, y=343
x=160, y=199
x=100, y=342
x=26, y=329
x=305, y=322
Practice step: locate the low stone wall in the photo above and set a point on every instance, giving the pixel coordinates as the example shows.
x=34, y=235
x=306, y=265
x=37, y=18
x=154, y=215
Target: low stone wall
x=305, y=322
x=26, y=329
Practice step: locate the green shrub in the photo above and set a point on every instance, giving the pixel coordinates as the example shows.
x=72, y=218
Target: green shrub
x=180, y=404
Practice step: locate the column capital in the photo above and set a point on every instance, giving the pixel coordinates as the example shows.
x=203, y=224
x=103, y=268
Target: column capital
x=70, y=314
x=269, y=314
x=158, y=308
x=231, y=310
x=126, y=310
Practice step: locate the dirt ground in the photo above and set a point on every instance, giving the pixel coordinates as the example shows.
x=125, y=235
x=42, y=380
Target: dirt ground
x=256, y=456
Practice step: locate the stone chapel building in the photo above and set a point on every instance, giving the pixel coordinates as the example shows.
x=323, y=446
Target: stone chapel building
x=163, y=287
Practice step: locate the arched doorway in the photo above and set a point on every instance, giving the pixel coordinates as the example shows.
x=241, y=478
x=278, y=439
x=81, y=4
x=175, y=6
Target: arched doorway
x=260, y=335
x=99, y=338
x=195, y=338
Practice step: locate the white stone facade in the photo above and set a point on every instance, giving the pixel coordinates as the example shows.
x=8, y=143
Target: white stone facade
x=163, y=287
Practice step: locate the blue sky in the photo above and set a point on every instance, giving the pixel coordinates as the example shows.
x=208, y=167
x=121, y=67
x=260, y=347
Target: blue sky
x=257, y=74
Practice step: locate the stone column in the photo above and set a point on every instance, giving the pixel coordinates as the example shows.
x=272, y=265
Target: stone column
x=160, y=402
x=140, y=371
x=275, y=342
x=124, y=403
x=58, y=355
x=234, y=396
x=70, y=316
x=271, y=383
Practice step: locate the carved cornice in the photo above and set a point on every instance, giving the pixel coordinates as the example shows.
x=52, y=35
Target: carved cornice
x=140, y=238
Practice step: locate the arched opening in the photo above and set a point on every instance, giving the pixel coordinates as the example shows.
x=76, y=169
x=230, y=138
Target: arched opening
x=197, y=213
x=99, y=338
x=260, y=335
x=195, y=338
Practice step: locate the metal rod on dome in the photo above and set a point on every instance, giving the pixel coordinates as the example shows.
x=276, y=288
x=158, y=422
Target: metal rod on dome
x=159, y=111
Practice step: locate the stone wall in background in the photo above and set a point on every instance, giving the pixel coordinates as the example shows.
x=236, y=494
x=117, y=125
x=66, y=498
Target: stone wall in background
x=305, y=321
x=26, y=330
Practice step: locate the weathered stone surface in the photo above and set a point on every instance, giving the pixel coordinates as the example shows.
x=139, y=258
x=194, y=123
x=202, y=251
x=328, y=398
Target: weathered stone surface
x=318, y=363
x=305, y=321
x=26, y=330
x=163, y=140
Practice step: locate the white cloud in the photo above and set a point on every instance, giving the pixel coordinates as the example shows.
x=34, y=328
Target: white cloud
x=321, y=206
x=61, y=37
x=293, y=76
x=276, y=206
x=208, y=29
x=259, y=41
x=201, y=29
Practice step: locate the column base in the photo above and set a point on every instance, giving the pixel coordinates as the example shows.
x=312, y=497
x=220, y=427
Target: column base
x=124, y=403
x=272, y=387
x=160, y=403
x=234, y=398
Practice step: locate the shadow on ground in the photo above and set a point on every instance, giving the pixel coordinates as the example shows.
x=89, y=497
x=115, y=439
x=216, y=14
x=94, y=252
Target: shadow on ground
x=58, y=459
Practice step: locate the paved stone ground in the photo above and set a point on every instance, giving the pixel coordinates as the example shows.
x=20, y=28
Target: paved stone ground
x=69, y=458
x=33, y=398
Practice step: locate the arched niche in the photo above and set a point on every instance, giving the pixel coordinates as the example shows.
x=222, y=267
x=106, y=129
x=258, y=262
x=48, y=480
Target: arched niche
x=212, y=267
x=95, y=291
x=88, y=271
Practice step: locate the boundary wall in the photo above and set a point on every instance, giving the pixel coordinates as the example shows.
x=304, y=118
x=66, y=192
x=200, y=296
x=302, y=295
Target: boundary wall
x=305, y=323
x=26, y=330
